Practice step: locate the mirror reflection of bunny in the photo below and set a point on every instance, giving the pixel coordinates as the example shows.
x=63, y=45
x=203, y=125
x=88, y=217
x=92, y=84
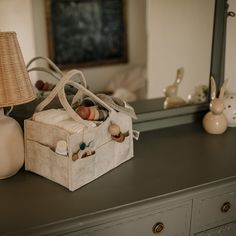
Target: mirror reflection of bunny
x=215, y=122
x=172, y=100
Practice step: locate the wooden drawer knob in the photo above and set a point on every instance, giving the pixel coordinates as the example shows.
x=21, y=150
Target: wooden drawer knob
x=225, y=207
x=158, y=228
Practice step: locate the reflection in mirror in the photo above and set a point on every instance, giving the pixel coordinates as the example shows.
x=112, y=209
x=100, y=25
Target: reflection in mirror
x=169, y=46
x=109, y=77
x=179, y=35
x=171, y=97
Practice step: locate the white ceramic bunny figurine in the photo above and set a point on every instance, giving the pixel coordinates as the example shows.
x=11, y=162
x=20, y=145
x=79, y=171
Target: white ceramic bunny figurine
x=172, y=100
x=215, y=122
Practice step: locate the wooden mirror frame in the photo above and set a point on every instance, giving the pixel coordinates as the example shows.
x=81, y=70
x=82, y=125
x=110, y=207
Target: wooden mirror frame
x=150, y=118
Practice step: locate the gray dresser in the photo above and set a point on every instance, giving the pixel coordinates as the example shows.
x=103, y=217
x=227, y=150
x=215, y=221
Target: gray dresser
x=181, y=182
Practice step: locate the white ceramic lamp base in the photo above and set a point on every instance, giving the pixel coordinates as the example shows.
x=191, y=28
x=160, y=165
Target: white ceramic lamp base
x=11, y=147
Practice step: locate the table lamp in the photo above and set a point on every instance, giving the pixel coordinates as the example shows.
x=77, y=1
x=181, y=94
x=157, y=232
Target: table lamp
x=15, y=89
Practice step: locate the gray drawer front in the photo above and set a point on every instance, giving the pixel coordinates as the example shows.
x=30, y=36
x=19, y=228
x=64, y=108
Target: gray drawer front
x=208, y=212
x=224, y=230
x=176, y=222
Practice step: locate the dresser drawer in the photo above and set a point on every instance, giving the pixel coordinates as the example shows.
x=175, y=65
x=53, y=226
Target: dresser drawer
x=214, y=210
x=223, y=230
x=165, y=222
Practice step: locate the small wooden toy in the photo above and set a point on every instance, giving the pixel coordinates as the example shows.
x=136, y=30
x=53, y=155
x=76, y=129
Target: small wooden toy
x=116, y=134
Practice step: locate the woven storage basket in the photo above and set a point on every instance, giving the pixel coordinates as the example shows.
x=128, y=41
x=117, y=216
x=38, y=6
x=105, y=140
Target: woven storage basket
x=41, y=140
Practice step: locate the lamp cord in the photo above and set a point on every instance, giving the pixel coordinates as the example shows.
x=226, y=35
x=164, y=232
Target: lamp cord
x=8, y=112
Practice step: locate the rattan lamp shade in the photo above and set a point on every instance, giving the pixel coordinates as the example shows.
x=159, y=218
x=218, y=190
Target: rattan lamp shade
x=15, y=85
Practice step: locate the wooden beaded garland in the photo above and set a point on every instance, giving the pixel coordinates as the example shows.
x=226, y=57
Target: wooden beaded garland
x=91, y=113
x=82, y=146
x=83, y=112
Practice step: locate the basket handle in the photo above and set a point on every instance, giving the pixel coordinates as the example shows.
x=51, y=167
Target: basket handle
x=57, y=75
x=59, y=90
x=52, y=64
x=46, y=70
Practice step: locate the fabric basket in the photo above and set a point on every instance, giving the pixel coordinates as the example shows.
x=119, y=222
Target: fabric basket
x=41, y=140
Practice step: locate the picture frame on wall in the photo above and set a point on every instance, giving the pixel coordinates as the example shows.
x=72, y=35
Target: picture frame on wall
x=86, y=32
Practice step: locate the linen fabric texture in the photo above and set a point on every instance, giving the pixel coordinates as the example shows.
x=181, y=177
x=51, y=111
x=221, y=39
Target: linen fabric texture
x=41, y=140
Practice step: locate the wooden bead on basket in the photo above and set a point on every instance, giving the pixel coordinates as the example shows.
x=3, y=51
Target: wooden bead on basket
x=114, y=129
x=83, y=112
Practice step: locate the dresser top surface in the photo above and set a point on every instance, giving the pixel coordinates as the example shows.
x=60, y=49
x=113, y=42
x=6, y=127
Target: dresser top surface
x=166, y=161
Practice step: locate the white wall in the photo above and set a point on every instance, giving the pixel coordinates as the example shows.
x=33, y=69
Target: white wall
x=16, y=15
x=230, y=63
x=179, y=35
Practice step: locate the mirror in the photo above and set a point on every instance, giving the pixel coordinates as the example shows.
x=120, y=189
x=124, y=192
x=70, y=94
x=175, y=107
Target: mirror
x=142, y=33
x=164, y=38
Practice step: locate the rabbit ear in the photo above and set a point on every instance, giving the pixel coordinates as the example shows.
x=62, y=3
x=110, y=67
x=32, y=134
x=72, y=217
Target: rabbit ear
x=179, y=76
x=213, y=88
x=223, y=88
